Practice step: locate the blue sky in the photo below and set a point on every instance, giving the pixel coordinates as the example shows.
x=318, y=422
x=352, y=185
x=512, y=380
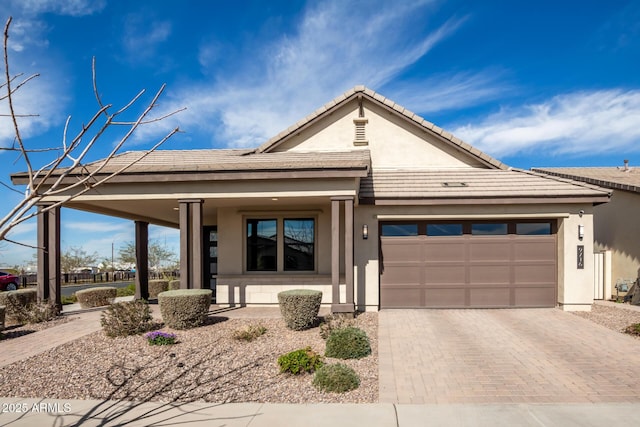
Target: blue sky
x=544, y=83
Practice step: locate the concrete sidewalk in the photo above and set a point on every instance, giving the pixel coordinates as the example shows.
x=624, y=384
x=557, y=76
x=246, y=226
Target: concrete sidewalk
x=47, y=412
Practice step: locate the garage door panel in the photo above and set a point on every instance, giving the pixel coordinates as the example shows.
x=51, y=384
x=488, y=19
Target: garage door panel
x=441, y=297
x=440, y=274
x=402, y=273
x=535, y=273
x=398, y=250
x=490, y=297
x=496, y=250
x=444, y=250
x=535, y=297
x=399, y=297
x=489, y=274
x=534, y=250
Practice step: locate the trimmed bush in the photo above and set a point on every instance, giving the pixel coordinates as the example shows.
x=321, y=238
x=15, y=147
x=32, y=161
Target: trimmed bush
x=336, y=378
x=156, y=286
x=17, y=304
x=348, y=343
x=184, y=308
x=299, y=361
x=333, y=322
x=42, y=312
x=174, y=285
x=96, y=297
x=126, y=318
x=299, y=308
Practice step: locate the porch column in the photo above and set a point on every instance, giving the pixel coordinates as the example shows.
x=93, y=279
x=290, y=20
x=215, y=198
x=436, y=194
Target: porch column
x=336, y=305
x=191, y=267
x=142, y=260
x=49, y=255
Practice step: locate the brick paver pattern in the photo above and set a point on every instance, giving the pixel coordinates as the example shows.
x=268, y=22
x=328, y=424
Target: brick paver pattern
x=503, y=356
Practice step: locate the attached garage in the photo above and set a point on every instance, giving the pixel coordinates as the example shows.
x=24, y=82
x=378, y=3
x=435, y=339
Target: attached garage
x=468, y=264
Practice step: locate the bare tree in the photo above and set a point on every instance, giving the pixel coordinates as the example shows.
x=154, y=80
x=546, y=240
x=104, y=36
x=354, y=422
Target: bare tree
x=68, y=159
x=76, y=257
x=159, y=254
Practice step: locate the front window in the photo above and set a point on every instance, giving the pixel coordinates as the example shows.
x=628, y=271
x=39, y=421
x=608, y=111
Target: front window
x=299, y=238
x=262, y=244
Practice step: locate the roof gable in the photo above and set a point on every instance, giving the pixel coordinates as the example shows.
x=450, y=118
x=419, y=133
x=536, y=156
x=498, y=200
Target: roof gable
x=412, y=123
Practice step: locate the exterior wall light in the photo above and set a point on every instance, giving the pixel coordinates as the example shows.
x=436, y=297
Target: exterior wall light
x=365, y=231
x=580, y=231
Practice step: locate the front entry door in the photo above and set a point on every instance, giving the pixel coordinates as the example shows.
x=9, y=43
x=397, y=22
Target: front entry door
x=211, y=258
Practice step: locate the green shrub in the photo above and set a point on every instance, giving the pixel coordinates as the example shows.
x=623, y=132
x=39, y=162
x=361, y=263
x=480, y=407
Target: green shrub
x=633, y=329
x=184, y=308
x=71, y=299
x=249, y=333
x=17, y=304
x=336, y=378
x=127, y=291
x=2, y=313
x=174, y=285
x=96, y=297
x=299, y=307
x=299, y=361
x=348, y=343
x=126, y=318
x=333, y=322
x=157, y=286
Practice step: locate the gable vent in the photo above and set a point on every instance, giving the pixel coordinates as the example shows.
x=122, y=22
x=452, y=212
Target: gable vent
x=361, y=136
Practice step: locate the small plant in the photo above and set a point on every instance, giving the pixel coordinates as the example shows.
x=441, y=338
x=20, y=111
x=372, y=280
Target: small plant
x=333, y=322
x=126, y=318
x=160, y=338
x=96, y=297
x=348, y=343
x=249, y=333
x=299, y=307
x=336, y=378
x=127, y=291
x=71, y=299
x=633, y=329
x=299, y=361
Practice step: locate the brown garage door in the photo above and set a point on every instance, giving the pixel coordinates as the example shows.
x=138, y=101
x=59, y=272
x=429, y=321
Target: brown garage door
x=468, y=264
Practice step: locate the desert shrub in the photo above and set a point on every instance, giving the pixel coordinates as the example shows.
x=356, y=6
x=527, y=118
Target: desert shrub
x=184, y=308
x=174, y=285
x=160, y=338
x=348, y=343
x=156, y=286
x=126, y=318
x=41, y=312
x=127, y=291
x=249, y=333
x=299, y=361
x=17, y=304
x=336, y=378
x=2, y=312
x=633, y=329
x=299, y=307
x=71, y=299
x=96, y=297
x=333, y=322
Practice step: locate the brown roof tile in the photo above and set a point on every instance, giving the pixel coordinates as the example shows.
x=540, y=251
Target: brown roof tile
x=609, y=177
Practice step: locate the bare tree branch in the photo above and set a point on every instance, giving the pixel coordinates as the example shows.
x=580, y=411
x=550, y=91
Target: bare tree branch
x=53, y=183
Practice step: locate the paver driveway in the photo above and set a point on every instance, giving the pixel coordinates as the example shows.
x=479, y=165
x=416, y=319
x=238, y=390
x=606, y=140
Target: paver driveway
x=500, y=356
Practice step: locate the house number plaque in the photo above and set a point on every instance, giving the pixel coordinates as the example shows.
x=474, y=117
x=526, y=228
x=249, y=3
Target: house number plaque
x=580, y=257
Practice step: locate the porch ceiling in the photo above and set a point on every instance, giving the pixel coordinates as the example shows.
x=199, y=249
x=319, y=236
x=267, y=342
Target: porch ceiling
x=165, y=212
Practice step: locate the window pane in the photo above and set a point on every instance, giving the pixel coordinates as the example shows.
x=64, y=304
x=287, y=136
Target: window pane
x=399, y=229
x=299, y=240
x=444, y=229
x=262, y=244
x=533, y=228
x=489, y=229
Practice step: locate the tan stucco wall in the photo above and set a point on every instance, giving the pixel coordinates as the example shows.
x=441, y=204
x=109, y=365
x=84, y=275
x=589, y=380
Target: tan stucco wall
x=390, y=140
x=616, y=229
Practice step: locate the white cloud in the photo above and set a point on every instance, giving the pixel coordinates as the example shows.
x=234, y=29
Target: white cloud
x=575, y=123
x=98, y=226
x=59, y=7
x=336, y=46
x=141, y=36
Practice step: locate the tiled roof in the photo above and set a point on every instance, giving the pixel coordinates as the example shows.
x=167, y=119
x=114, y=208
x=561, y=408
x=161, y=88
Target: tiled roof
x=386, y=102
x=470, y=183
x=172, y=161
x=609, y=177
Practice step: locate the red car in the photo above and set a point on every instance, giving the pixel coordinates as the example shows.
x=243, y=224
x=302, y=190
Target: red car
x=8, y=282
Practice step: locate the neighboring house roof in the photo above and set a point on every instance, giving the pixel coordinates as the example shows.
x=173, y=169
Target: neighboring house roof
x=362, y=91
x=616, y=178
x=466, y=185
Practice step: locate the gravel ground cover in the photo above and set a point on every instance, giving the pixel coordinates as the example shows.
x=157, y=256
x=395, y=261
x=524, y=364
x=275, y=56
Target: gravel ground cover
x=15, y=331
x=206, y=364
x=612, y=317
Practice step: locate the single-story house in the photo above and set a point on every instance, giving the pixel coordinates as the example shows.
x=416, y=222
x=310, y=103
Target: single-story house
x=615, y=223
x=362, y=199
